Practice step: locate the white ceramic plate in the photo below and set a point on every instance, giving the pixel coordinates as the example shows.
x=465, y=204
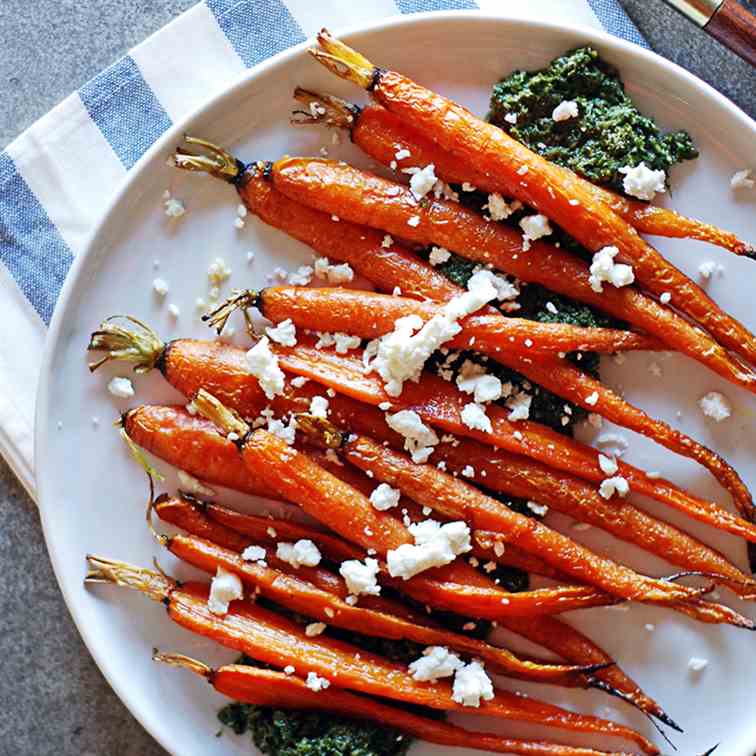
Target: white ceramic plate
x=92, y=495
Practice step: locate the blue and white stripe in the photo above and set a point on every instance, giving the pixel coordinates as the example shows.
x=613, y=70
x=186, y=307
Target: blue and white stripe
x=57, y=177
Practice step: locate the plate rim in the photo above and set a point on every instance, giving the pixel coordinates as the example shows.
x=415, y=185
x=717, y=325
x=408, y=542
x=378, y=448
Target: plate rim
x=134, y=175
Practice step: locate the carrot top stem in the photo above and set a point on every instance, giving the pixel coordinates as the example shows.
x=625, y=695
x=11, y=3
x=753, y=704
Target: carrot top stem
x=239, y=300
x=325, y=109
x=226, y=419
x=124, y=338
x=185, y=662
x=218, y=162
x=343, y=61
x=153, y=584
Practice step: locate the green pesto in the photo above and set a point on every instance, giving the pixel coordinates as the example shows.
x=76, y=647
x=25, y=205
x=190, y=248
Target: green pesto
x=609, y=132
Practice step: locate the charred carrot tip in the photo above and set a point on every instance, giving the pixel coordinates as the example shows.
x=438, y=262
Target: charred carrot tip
x=320, y=431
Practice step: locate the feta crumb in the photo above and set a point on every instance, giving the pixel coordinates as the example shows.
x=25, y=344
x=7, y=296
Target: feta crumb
x=272, y=532
x=123, y=388
x=361, y=577
x=418, y=437
x=342, y=341
x=289, y=669
x=468, y=471
x=387, y=241
x=534, y=227
x=239, y=223
x=224, y=588
x=610, y=486
x=402, y=153
x=174, y=208
x=302, y=276
x=642, y=182
x=173, y=311
x=263, y=364
x=160, y=287
x=218, y=272
x=592, y=399
x=498, y=208
x=716, y=406
x=519, y=406
x=608, y=465
x=303, y=553
x=742, y=180
x=614, y=440
x=435, y=663
x=335, y=274
x=284, y=333
x=522, y=170
x=603, y=268
x=299, y=381
x=253, y=554
x=472, y=379
x=696, y=664
x=319, y=406
x=650, y=627
x=536, y=508
x=565, y=110
x=435, y=545
x=190, y=484
x=314, y=629
x=385, y=497
x=423, y=181
x=315, y=683
x=414, y=221
x=511, y=118
x=471, y=683
x=474, y=416
x=438, y=255
x=665, y=297
x=655, y=369
x=706, y=269
x=285, y=432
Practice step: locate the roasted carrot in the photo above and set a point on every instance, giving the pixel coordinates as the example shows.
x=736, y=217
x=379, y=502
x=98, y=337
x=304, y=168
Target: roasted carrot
x=335, y=308
x=351, y=195
x=380, y=133
x=265, y=687
x=553, y=191
x=276, y=640
x=192, y=364
x=305, y=598
x=370, y=315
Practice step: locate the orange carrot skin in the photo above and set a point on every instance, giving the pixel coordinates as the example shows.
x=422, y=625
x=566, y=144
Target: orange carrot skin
x=370, y=315
x=367, y=199
x=333, y=308
x=275, y=640
x=377, y=132
x=549, y=189
x=264, y=687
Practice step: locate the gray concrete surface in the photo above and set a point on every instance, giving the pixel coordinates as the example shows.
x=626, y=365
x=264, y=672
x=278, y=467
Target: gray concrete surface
x=54, y=700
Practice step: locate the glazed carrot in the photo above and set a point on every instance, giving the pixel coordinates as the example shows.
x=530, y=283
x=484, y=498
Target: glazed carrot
x=303, y=597
x=380, y=134
x=355, y=196
x=370, y=315
x=265, y=687
x=556, y=193
x=276, y=640
x=191, y=364
x=349, y=513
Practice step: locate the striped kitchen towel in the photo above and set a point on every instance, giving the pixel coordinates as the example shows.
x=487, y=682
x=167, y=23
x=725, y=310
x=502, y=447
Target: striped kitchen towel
x=59, y=175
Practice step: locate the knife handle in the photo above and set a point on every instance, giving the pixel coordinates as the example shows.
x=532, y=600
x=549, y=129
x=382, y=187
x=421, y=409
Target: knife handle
x=735, y=28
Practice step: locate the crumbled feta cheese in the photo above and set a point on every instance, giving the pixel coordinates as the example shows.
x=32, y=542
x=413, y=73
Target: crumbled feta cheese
x=361, y=577
x=414, y=221
x=335, y=274
x=472, y=379
x=253, y=554
x=474, y=416
x=418, y=437
x=603, y=268
x=319, y=406
x=284, y=333
x=706, y=269
x=190, y=484
x=435, y=663
x=471, y=683
x=385, y=497
x=608, y=465
x=610, y=486
x=302, y=276
x=314, y=629
x=423, y=181
x=468, y=471
x=498, y=208
x=665, y=297
x=655, y=369
x=299, y=381
x=402, y=154
x=174, y=208
x=742, y=180
x=289, y=669
x=342, y=341
x=650, y=627
x=617, y=443
x=522, y=170
x=534, y=227
x=263, y=364
x=467, y=187
x=592, y=399
x=438, y=255
x=123, y=388
x=239, y=223
x=716, y=406
x=315, y=683
x=224, y=588
x=160, y=287
x=536, y=508
x=303, y=553
x=173, y=311
x=278, y=428
x=511, y=118
x=387, y=241
x=642, y=182
x=696, y=664
x=565, y=110
x=218, y=272
x=519, y=406
x=435, y=545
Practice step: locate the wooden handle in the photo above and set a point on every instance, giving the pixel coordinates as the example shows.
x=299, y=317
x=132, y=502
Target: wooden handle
x=735, y=28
